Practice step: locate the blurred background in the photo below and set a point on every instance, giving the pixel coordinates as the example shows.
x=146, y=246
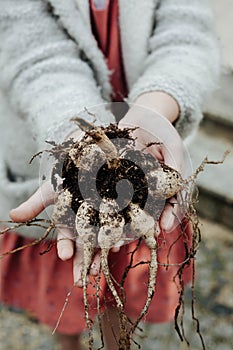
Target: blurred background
x=214, y=294
x=216, y=131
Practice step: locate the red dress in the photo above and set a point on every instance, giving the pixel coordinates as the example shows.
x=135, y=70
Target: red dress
x=40, y=283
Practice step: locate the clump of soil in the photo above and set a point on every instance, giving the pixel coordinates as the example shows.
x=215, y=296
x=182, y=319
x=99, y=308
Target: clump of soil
x=87, y=174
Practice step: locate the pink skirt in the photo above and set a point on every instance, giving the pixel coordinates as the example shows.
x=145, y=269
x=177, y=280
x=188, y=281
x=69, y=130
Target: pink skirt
x=40, y=283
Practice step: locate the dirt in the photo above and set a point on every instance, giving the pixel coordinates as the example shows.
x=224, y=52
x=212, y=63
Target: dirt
x=124, y=178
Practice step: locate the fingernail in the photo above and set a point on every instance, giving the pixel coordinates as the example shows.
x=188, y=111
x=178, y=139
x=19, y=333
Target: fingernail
x=65, y=254
x=78, y=283
x=19, y=206
x=169, y=225
x=94, y=270
x=13, y=210
x=116, y=249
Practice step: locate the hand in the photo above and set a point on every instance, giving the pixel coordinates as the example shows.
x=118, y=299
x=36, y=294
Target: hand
x=66, y=244
x=67, y=247
x=152, y=126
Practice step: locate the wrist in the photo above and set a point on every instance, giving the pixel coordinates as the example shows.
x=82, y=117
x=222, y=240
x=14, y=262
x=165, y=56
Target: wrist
x=161, y=103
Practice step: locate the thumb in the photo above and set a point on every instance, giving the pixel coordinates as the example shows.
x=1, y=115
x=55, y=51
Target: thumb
x=35, y=204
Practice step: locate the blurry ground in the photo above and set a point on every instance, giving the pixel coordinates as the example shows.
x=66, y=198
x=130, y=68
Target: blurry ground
x=214, y=305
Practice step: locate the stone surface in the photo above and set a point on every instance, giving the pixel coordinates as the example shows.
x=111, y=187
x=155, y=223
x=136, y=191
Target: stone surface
x=216, y=132
x=217, y=178
x=221, y=103
x=214, y=307
x=215, y=183
x=224, y=16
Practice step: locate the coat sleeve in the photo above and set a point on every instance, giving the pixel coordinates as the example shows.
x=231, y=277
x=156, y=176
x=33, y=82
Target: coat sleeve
x=183, y=58
x=42, y=74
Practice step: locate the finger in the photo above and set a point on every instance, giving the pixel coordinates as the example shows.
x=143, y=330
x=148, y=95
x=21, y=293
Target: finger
x=169, y=217
x=29, y=209
x=156, y=152
x=115, y=249
x=78, y=266
x=65, y=244
x=117, y=246
x=95, y=266
x=174, y=158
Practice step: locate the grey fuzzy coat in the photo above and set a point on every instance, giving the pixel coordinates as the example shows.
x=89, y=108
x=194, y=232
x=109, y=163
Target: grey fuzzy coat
x=51, y=68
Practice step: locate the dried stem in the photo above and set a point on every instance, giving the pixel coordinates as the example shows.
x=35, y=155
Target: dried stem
x=37, y=241
x=63, y=310
x=33, y=222
x=201, y=167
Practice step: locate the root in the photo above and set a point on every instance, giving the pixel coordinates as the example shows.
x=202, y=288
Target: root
x=195, y=319
x=100, y=219
x=87, y=259
x=124, y=341
x=98, y=312
x=34, y=222
x=130, y=266
x=201, y=167
x=141, y=219
x=37, y=241
x=106, y=272
x=151, y=286
x=63, y=310
x=87, y=235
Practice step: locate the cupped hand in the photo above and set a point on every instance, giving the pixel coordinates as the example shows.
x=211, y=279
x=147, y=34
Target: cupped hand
x=67, y=246
x=152, y=127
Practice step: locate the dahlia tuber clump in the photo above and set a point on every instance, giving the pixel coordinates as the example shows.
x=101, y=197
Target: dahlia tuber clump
x=86, y=178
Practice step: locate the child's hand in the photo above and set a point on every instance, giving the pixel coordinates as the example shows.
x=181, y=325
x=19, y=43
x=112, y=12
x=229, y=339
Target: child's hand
x=153, y=113
x=66, y=244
